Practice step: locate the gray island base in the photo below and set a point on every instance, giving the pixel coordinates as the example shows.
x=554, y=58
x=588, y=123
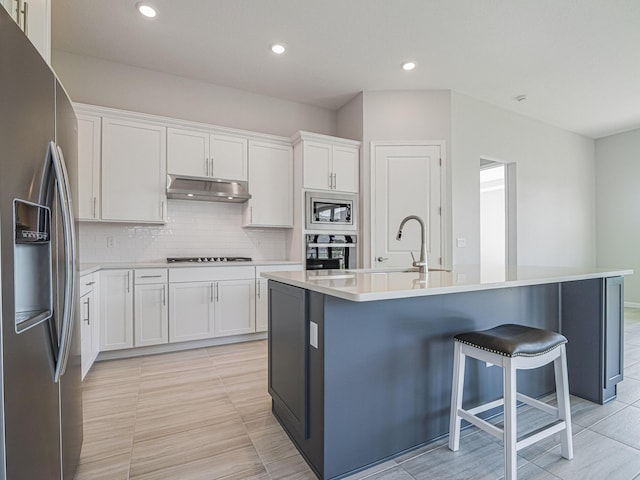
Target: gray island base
x=357, y=381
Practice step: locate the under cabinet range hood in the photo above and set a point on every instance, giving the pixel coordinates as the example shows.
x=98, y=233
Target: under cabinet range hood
x=206, y=189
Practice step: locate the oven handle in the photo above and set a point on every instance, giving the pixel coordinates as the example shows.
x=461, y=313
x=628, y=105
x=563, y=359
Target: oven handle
x=330, y=245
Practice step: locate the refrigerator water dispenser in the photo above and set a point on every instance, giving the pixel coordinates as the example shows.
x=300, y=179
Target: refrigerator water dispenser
x=32, y=264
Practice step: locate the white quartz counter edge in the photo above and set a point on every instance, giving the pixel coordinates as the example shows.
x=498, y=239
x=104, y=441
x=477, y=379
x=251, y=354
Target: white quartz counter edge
x=89, y=268
x=360, y=294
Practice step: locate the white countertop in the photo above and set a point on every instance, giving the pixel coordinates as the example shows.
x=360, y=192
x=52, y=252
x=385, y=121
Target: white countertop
x=88, y=268
x=367, y=285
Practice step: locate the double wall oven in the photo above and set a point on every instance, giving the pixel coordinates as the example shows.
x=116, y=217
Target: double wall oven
x=331, y=237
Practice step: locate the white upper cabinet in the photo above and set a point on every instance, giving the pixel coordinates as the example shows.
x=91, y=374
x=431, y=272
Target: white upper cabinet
x=88, y=167
x=270, y=185
x=200, y=154
x=329, y=163
x=133, y=171
x=34, y=18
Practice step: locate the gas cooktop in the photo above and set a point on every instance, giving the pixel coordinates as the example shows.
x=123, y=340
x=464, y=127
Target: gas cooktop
x=208, y=259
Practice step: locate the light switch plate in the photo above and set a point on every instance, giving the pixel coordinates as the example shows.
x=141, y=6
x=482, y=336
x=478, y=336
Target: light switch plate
x=313, y=334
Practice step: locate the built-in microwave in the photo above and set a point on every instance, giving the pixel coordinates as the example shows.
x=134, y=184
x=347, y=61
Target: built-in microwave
x=331, y=211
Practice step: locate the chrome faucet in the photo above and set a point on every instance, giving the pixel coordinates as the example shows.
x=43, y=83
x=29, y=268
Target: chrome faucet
x=422, y=263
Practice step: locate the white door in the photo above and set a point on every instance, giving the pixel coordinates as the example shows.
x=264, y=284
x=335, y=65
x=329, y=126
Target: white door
x=116, y=305
x=262, y=305
x=191, y=311
x=188, y=153
x=88, y=167
x=235, y=303
x=151, y=315
x=406, y=182
x=228, y=157
x=317, y=165
x=133, y=166
x=271, y=184
x=345, y=168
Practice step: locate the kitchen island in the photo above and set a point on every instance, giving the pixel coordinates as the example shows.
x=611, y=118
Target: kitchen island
x=360, y=361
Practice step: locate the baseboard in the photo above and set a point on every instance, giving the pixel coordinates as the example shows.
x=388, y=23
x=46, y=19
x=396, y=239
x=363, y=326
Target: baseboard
x=175, y=347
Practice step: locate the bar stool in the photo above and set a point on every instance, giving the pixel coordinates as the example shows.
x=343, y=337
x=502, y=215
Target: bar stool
x=512, y=347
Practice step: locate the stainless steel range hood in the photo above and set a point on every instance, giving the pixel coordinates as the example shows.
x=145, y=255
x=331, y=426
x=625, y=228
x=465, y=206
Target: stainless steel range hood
x=206, y=189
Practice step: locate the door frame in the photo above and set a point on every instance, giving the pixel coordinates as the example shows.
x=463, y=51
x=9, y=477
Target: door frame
x=445, y=194
x=511, y=210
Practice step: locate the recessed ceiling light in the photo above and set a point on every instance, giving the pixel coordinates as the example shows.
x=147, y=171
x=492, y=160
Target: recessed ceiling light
x=408, y=66
x=278, y=48
x=146, y=10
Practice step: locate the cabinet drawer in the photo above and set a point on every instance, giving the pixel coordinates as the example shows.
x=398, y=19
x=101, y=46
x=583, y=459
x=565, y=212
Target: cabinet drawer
x=207, y=274
x=87, y=283
x=151, y=275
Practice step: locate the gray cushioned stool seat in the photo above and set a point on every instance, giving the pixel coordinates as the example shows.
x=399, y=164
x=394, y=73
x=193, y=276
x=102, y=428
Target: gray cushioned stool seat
x=513, y=340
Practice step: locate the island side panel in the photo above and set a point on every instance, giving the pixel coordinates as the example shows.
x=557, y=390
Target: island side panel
x=296, y=368
x=388, y=367
x=592, y=321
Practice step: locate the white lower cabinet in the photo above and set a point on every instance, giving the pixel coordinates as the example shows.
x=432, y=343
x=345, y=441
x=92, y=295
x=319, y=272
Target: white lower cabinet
x=234, y=307
x=262, y=305
x=116, y=309
x=191, y=311
x=89, y=324
x=151, y=312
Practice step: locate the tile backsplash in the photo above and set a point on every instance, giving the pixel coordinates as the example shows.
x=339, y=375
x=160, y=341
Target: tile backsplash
x=192, y=229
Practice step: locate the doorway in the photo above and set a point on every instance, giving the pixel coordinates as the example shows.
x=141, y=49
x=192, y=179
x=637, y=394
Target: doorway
x=497, y=216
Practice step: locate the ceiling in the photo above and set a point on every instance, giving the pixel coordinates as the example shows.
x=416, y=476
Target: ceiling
x=578, y=61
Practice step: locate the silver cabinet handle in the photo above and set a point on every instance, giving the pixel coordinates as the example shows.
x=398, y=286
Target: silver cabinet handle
x=382, y=259
x=94, y=206
x=162, y=210
x=330, y=180
x=86, y=320
x=217, y=295
x=164, y=295
x=251, y=214
x=88, y=284
x=150, y=276
x=211, y=292
x=258, y=285
x=212, y=166
x=206, y=167
x=335, y=180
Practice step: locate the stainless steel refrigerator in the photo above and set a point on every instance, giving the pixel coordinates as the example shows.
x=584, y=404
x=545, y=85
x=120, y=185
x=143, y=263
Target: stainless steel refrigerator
x=41, y=397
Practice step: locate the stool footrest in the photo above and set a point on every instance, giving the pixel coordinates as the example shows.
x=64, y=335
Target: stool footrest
x=545, y=407
x=541, y=433
x=481, y=424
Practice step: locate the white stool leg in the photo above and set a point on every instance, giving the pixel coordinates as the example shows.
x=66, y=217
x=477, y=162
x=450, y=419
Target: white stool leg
x=564, y=403
x=457, y=387
x=510, y=421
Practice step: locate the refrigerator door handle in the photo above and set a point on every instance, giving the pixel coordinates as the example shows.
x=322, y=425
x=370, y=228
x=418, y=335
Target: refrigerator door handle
x=64, y=195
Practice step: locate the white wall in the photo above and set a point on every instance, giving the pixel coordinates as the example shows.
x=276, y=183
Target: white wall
x=555, y=184
x=399, y=115
x=108, y=84
x=192, y=229
x=618, y=212
x=350, y=118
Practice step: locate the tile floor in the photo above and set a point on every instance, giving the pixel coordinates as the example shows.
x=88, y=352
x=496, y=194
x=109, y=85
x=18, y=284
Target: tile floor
x=205, y=414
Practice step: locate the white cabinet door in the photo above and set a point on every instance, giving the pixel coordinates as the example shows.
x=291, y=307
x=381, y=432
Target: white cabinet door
x=116, y=309
x=191, y=311
x=317, y=165
x=228, y=157
x=34, y=18
x=188, y=153
x=234, y=311
x=87, y=327
x=88, y=167
x=270, y=185
x=133, y=171
x=262, y=305
x=345, y=168
x=151, y=315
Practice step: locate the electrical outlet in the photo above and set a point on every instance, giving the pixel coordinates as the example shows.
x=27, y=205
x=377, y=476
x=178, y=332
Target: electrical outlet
x=461, y=242
x=111, y=242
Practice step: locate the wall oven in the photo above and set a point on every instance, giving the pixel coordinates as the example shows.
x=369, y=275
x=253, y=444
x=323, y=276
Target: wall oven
x=331, y=251
x=331, y=211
